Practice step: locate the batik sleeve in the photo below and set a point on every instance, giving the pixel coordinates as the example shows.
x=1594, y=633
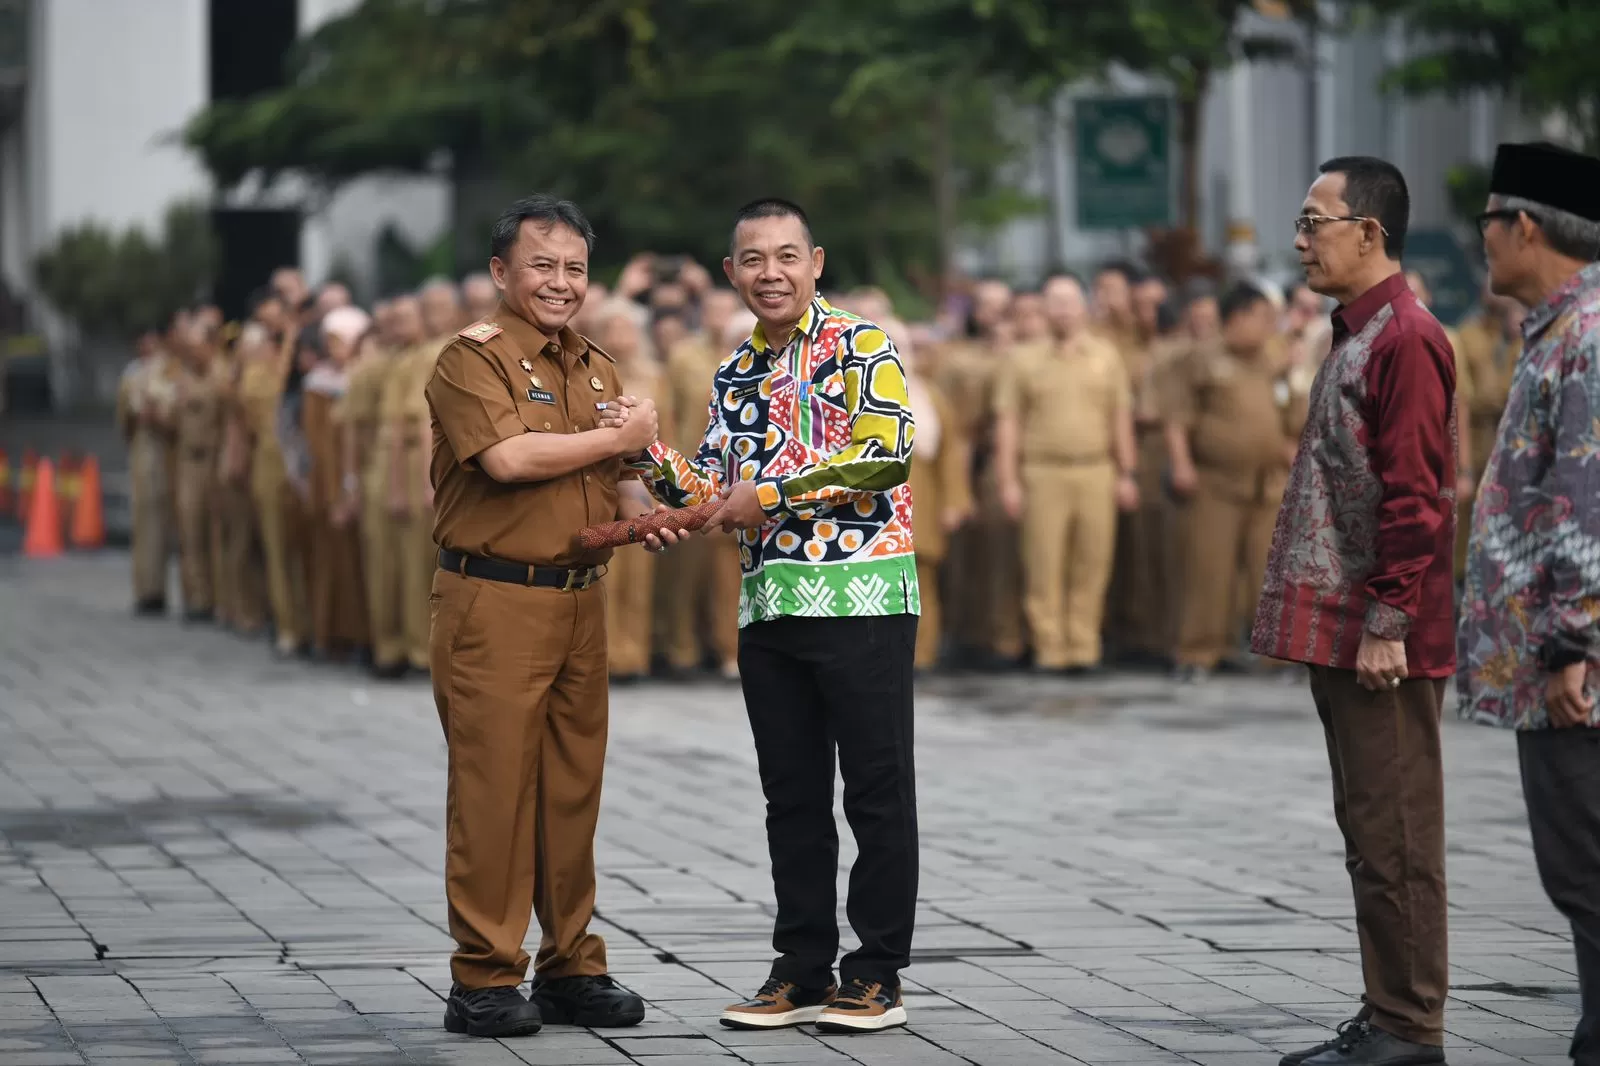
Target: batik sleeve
x=1413, y=390
x=877, y=456
x=681, y=481
x=1573, y=627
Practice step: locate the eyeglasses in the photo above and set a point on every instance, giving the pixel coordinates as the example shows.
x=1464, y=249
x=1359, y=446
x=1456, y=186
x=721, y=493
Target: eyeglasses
x=1506, y=213
x=1307, y=224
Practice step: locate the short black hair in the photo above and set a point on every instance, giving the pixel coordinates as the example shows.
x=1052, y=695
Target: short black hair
x=1375, y=188
x=264, y=294
x=1130, y=273
x=544, y=210
x=772, y=207
x=1239, y=299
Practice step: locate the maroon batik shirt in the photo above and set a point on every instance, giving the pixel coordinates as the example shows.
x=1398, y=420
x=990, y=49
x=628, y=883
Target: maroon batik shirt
x=1366, y=534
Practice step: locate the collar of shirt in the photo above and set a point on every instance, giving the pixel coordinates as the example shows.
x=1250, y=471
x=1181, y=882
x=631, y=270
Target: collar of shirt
x=530, y=339
x=808, y=325
x=1539, y=319
x=1348, y=321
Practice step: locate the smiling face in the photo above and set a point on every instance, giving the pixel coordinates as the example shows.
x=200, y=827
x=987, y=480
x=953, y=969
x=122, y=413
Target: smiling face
x=544, y=275
x=775, y=269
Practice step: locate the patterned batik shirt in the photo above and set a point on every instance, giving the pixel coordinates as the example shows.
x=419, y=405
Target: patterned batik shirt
x=824, y=428
x=1533, y=558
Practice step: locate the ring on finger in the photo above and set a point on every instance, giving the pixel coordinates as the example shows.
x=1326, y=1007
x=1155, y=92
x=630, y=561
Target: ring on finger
x=1394, y=682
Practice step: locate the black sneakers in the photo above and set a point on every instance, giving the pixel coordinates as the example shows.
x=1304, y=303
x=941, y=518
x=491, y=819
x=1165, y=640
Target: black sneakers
x=1360, y=1043
x=497, y=1011
x=592, y=1002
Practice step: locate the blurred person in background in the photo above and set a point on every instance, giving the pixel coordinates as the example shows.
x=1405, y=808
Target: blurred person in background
x=630, y=579
x=1466, y=479
x=1529, y=637
x=1066, y=464
x=236, y=577
x=700, y=581
x=1359, y=586
x=941, y=486
x=1230, y=456
x=198, y=442
x=336, y=592
x=146, y=396
x=1029, y=321
x=403, y=439
x=479, y=296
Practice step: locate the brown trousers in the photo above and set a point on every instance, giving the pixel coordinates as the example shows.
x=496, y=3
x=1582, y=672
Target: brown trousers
x=1141, y=603
x=983, y=573
x=1225, y=542
x=241, y=594
x=703, y=607
x=519, y=678
x=930, y=626
x=196, y=509
x=419, y=558
x=1388, y=798
x=380, y=562
x=1069, y=532
x=630, y=588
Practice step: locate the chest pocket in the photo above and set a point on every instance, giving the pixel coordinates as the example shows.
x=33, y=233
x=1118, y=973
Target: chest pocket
x=538, y=416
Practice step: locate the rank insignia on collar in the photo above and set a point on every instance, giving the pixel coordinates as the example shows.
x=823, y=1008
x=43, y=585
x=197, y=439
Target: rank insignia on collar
x=527, y=367
x=481, y=331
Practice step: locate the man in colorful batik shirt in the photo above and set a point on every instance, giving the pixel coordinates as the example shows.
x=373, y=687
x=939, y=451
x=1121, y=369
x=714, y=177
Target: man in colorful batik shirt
x=809, y=446
x=1359, y=586
x=1530, y=626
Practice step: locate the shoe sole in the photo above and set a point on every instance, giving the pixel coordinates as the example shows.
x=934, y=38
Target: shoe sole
x=455, y=1024
x=556, y=1016
x=787, y=1020
x=892, y=1018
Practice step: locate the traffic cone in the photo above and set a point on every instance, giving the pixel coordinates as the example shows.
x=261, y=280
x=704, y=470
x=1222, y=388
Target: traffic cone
x=7, y=499
x=43, y=538
x=30, y=464
x=88, y=513
x=66, y=490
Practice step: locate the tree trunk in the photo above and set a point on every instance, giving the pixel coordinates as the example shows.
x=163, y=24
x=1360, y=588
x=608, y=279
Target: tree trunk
x=1190, y=99
x=944, y=183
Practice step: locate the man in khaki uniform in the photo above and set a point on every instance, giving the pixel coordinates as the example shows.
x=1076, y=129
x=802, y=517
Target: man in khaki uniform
x=1066, y=463
x=698, y=605
x=521, y=462
x=240, y=593
x=198, y=423
x=1227, y=421
x=265, y=354
x=983, y=568
x=146, y=396
x=479, y=296
x=366, y=481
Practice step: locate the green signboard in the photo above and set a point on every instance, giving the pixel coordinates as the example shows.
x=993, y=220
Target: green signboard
x=1438, y=256
x=1124, y=161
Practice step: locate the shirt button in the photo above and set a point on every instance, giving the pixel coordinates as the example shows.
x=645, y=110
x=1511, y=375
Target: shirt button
x=552, y=349
x=547, y=425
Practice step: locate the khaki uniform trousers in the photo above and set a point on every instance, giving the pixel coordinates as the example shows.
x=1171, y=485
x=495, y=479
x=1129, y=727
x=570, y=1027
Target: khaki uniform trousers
x=419, y=558
x=519, y=678
x=279, y=522
x=239, y=590
x=152, y=540
x=930, y=626
x=1069, y=530
x=630, y=588
x=196, y=512
x=1142, y=608
x=381, y=549
x=703, y=603
x=984, y=578
x=1225, y=544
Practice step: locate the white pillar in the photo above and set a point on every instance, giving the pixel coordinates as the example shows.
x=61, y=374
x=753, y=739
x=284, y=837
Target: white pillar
x=1242, y=253
x=1327, y=59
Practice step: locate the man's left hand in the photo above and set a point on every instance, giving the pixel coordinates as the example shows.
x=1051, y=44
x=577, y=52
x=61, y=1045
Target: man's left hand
x=1380, y=664
x=740, y=509
x=1564, y=698
x=660, y=542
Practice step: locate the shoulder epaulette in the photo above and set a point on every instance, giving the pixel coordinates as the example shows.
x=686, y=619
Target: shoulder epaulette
x=481, y=331
x=593, y=347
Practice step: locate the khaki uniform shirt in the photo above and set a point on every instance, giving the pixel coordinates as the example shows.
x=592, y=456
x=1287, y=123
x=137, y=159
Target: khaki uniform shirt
x=260, y=389
x=199, y=416
x=691, y=366
x=1065, y=398
x=358, y=409
x=480, y=394
x=1237, y=412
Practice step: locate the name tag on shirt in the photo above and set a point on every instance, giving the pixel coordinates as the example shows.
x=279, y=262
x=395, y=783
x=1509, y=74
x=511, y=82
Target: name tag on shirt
x=541, y=396
x=746, y=392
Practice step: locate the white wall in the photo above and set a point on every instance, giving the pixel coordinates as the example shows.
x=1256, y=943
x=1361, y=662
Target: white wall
x=109, y=80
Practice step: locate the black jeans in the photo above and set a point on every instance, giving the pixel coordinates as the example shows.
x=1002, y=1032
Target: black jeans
x=811, y=684
x=1561, y=782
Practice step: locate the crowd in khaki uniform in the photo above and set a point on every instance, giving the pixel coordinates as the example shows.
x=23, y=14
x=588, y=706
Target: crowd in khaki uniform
x=1098, y=465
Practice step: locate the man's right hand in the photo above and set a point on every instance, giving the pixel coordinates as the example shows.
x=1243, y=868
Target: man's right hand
x=1565, y=699
x=638, y=429
x=1011, y=498
x=1184, y=480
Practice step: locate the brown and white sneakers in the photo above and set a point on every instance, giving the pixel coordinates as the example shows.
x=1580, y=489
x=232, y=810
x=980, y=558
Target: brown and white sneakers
x=778, y=1005
x=863, y=1007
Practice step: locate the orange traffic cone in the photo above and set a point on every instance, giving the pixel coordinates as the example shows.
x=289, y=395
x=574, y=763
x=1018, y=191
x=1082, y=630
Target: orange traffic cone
x=88, y=512
x=7, y=499
x=43, y=539
x=30, y=464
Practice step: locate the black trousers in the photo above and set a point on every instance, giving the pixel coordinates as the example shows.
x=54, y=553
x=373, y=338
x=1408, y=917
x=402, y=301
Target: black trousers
x=1561, y=782
x=812, y=685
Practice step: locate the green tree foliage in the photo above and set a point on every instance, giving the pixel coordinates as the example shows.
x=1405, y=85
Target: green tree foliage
x=115, y=285
x=658, y=116
x=1542, y=52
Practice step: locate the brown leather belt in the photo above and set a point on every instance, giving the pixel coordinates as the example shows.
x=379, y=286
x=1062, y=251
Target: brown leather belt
x=553, y=577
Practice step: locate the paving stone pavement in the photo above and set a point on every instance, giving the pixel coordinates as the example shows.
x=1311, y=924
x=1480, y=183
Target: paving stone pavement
x=208, y=856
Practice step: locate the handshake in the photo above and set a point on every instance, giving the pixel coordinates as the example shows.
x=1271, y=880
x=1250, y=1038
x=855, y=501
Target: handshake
x=635, y=423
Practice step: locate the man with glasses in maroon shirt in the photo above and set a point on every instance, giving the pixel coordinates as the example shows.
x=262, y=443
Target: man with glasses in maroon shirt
x=1359, y=587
